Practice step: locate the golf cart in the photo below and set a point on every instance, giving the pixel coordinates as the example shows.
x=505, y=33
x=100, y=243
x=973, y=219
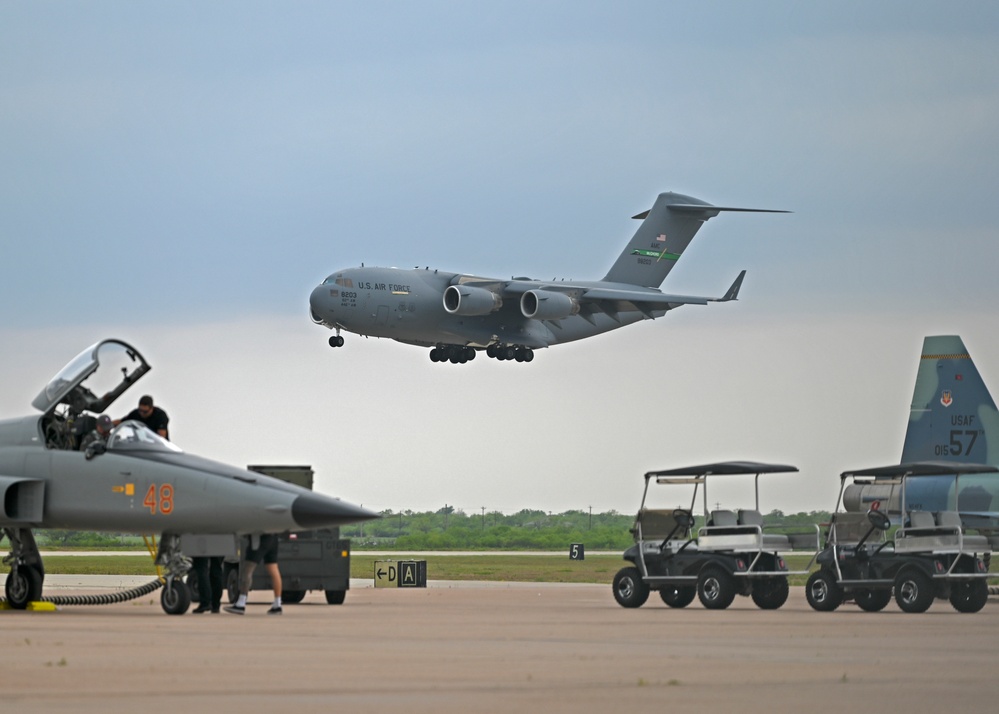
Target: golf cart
x=930, y=554
x=729, y=555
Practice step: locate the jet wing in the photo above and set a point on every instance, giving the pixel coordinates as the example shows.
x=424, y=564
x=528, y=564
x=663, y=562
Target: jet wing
x=622, y=299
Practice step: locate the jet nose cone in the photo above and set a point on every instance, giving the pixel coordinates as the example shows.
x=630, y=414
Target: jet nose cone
x=313, y=510
x=317, y=303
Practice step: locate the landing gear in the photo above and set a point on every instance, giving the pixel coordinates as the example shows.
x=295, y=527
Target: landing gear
x=510, y=352
x=24, y=582
x=455, y=354
x=336, y=341
x=176, y=597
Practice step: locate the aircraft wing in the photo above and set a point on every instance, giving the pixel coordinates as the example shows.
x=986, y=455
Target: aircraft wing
x=622, y=299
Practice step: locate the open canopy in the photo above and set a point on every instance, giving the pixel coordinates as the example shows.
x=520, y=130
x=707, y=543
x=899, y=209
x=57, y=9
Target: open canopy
x=108, y=368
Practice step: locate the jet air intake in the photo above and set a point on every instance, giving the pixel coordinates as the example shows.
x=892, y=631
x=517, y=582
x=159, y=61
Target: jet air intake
x=547, y=305
x=466, y=300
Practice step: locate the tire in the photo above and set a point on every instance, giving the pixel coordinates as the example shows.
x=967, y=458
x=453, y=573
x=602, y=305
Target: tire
x=629, y=588
x=231, y=579
x=715, y=588
x=823, y=592
x=969, y=595
x=292, y=597
x=335, y=597
x=873, y=600
x=194, y=586
x=770, y=593
x=914, y=590
x=678, y=595
x=175, y=598
x=24, y=585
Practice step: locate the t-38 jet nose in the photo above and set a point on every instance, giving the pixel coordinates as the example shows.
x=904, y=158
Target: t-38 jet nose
x=313, y=510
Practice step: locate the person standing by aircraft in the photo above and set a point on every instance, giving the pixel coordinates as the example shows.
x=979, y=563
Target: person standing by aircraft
x=266, y=552
x=152, y=416
x=209, y=572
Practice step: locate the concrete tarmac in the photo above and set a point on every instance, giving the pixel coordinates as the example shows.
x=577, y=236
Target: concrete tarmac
x=528, y=648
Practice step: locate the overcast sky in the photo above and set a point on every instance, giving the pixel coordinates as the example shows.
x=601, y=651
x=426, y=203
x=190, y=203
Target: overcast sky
x=181, y=175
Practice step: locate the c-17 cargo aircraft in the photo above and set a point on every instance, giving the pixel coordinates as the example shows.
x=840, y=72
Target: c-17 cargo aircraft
x=134, y=482
x=457, y=315
x=952, y=418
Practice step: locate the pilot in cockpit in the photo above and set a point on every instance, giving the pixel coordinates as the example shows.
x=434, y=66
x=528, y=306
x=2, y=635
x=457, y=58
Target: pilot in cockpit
x=99, y=433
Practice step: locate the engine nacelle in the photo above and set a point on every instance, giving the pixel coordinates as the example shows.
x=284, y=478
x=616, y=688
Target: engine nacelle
x=466, y=300
x=547, y=305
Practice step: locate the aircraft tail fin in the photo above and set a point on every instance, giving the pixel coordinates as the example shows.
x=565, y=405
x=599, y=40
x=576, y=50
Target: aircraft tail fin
x=666, y=231
x=953, y=416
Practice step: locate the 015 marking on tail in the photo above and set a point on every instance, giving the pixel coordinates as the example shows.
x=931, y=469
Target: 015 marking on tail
x=952, y=418
x=458, y=315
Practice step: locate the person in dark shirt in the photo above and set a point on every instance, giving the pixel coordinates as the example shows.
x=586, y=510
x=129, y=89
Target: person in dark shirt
x=152, y=416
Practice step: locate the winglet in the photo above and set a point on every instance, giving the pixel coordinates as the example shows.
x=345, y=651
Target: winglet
x=733, y=292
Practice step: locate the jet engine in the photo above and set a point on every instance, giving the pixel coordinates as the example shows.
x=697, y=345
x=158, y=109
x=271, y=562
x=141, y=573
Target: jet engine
x=547, y=305
x=466, y=300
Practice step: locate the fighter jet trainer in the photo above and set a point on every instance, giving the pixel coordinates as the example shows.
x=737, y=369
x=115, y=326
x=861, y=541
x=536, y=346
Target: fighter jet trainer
x=458, y=315
x=132, y=482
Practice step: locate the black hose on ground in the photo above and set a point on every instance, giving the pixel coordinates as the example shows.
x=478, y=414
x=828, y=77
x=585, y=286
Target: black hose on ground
x=103, y=598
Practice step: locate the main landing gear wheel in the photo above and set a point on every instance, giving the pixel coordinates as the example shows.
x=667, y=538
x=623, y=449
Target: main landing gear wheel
x=335, y=597
x=629, y=589
x=455, y=354
x=176, y=597
x=292, y=597
x=336, y=341
x=24, y=585
x=510, y=352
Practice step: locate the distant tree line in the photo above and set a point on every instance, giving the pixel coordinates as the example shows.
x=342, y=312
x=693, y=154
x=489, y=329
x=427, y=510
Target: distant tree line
x=449, y=528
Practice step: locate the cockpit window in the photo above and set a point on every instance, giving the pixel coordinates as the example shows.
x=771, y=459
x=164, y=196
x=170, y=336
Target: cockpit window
x=135, y=436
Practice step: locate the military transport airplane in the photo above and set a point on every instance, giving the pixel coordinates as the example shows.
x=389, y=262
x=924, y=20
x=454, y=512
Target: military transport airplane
x=952, y=418
x=135, y=482
x=457, y=315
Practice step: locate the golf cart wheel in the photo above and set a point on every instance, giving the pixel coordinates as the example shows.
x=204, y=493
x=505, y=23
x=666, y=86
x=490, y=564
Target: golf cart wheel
x=770, y=593
x=873, y=600
x=715, y=588
x=969, y=596
x=677, y=595
x=823, y=592
x=629, y=588
x=24, y=585
x=914, y=590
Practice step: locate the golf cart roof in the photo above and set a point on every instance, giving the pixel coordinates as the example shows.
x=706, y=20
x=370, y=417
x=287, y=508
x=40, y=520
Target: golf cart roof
x=922, y=468
x=723, y=468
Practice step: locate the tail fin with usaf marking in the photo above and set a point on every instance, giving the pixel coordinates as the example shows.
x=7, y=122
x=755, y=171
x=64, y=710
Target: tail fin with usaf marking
x=666, y=231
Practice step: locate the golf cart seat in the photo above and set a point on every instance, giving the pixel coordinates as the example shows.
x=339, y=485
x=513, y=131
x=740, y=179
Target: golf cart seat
x=975, y=543
x=771, y=541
